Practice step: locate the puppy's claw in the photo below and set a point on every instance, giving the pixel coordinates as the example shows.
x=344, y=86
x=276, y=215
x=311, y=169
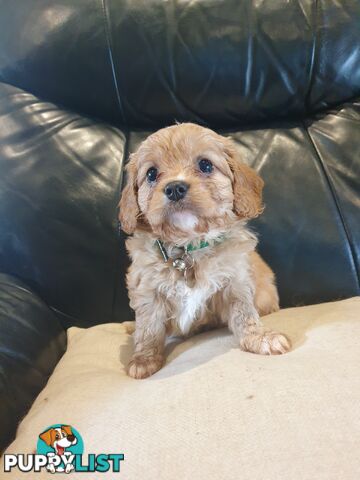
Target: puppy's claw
x=143, y=366
x=266, y=343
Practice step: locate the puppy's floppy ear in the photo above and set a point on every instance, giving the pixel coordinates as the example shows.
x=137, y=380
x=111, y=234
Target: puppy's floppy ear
x=128, y=205
x=247, y=185
x=48, y=437
x=67, y=429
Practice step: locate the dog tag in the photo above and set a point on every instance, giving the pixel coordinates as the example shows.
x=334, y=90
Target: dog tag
x=183, y=265
x=180, y=264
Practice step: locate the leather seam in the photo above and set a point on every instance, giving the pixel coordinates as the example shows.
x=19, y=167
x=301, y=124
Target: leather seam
x=39, y=300
x=313, y=60
x=337, y=204
x=111, y=57
x=23, y=289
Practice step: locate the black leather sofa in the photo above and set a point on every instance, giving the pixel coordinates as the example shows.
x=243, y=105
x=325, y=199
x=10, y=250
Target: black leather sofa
x=82, y=83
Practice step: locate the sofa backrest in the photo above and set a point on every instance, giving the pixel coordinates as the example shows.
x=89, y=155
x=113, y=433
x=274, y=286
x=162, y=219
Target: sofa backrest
x=144, y=64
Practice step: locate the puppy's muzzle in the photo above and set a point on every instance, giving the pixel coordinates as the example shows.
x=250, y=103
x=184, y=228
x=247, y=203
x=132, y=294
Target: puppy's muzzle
x=175, y=191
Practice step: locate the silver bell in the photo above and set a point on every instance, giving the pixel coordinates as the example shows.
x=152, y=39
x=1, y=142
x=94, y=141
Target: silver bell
x=179, y=264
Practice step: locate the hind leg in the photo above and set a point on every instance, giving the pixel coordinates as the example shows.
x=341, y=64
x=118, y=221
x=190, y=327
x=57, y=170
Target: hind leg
x=266, y=297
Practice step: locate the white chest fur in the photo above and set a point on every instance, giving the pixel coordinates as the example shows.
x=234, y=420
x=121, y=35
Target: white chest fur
x=191, y=304
x=216, y=274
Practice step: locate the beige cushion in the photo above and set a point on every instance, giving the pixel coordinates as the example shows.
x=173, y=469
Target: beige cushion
x=214, y=412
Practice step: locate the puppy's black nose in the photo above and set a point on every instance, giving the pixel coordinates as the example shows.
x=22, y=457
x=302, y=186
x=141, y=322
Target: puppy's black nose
x=176, y=190
x=71, y=438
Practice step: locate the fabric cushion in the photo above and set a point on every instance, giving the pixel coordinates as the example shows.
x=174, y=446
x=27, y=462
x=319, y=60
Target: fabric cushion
x=214, y=412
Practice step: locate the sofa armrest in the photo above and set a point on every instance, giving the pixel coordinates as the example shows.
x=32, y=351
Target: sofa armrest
x=32, y=341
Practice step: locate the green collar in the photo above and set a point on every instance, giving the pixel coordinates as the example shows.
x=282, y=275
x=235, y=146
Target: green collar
x=190, y=247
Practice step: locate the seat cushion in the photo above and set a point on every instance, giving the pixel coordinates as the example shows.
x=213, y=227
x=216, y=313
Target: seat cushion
x=213, y=411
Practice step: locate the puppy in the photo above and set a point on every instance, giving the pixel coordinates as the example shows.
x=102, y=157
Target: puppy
x=186, y=202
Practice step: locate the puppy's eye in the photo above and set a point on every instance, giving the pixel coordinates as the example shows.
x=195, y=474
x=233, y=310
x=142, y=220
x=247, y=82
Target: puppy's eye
x=205, y=165
x=151, y=174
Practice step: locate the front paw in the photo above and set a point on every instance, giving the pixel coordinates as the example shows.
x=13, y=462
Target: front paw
x=142, y=366
x=69, y=468
x=50, y=468
x=265, y=343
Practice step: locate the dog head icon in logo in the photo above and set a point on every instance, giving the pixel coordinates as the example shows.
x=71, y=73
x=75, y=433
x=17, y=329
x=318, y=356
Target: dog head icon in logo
x=60, y=442
x=59, y=438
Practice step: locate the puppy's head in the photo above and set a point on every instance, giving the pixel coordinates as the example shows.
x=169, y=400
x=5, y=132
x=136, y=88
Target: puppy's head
x=186, y=180
x=59, y=438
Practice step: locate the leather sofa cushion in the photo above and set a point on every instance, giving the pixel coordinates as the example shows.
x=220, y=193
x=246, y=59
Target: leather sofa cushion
x=32, y=340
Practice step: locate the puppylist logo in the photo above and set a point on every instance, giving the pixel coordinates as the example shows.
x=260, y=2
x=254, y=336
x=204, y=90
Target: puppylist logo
x=60, y=449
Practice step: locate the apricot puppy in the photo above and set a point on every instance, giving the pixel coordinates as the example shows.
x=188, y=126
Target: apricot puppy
x=186, y=202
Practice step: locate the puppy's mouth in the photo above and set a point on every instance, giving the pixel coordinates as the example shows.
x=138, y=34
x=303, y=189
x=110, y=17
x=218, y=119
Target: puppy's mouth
x=185, y=220
x=60, y=450
x=182, y=215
